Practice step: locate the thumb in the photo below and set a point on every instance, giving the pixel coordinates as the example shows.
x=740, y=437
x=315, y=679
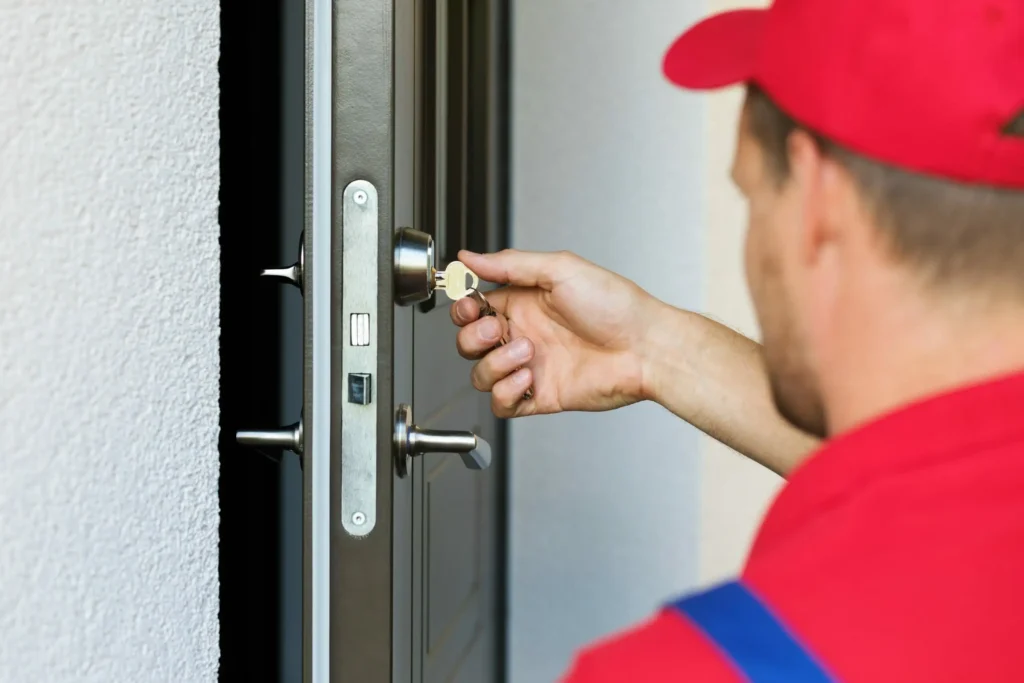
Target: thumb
x=514, y=267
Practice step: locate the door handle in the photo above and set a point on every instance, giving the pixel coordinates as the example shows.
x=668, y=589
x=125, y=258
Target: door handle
x=291, y=275
x=411, y=441
x=289, y=438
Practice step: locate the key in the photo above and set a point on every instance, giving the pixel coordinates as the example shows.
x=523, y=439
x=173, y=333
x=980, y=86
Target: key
x=456, y=280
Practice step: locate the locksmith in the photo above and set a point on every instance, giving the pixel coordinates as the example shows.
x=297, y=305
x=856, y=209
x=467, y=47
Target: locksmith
x=881, y=155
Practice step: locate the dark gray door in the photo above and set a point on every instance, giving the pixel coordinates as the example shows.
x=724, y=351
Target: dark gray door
x=404, y=129
x=456, y=513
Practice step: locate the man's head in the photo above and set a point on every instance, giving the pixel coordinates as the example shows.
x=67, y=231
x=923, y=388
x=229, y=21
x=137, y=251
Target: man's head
x=924, y=196
x=823, y=220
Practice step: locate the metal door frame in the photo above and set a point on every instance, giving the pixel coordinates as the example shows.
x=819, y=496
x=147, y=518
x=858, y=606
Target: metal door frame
x=349, y=133
x=317, y=286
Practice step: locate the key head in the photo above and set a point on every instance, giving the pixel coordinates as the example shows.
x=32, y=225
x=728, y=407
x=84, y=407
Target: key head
x=459, y=280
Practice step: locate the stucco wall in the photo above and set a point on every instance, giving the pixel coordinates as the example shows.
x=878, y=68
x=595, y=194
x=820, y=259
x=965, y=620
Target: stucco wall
x=108, y=340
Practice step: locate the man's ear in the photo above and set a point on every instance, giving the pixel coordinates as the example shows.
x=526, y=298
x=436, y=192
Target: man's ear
x=808, y=181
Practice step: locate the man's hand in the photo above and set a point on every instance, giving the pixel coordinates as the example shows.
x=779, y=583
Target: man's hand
x=577, y=333
x=587, y=339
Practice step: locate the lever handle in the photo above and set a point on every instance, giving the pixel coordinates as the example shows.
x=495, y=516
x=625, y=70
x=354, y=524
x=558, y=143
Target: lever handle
x=291, y=275
x=411, y=441
x=288, y=438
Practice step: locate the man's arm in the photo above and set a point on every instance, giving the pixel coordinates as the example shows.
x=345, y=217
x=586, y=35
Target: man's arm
x=715, y=379
x=592, y=340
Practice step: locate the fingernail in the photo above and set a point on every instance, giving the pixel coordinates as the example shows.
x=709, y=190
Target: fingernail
x=490, y=330
x=521, y=377
x=519, y=349
x=461, y=310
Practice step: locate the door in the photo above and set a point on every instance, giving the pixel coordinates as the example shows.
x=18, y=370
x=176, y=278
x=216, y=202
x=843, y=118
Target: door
x=458, y=197
x=402, y=573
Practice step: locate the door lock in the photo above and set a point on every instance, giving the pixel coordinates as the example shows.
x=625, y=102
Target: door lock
x=411, y=441
x=414, y=266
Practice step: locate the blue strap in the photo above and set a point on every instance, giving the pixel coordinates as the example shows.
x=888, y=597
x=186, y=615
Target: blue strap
x=753, y=638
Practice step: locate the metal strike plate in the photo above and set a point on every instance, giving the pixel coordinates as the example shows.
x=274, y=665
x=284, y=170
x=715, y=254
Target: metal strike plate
x=360, y=318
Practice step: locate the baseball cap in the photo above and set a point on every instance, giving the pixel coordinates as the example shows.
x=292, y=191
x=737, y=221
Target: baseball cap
x=929, y=86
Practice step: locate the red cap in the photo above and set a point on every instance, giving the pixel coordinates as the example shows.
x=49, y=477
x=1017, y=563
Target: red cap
x=925, y=85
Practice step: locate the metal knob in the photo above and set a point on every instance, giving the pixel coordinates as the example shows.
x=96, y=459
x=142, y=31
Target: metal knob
x=411, y=441
x=414, y=266
x=292, y=274
x=289, y=438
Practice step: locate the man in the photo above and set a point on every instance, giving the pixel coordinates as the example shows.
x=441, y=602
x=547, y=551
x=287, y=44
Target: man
x=881, y=152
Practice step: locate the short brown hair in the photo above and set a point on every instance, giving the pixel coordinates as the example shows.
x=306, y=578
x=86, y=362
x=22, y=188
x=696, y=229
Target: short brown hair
x=955, y=233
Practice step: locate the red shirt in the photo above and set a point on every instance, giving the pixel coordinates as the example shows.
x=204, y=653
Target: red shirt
x=895, y=554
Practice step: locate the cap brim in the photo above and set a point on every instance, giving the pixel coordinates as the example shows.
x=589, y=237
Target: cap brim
x=719, y=51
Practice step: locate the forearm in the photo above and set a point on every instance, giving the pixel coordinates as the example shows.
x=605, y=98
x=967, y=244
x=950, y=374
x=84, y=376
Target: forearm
x=714, y=378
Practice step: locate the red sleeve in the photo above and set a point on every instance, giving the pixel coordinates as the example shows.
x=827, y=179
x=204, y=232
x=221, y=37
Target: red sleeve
x=665, y=649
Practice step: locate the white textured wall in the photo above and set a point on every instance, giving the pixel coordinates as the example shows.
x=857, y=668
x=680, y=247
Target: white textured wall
x=608, y=161
x=108, y=340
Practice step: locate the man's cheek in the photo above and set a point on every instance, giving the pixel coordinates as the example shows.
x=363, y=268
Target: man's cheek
x=754, y=260
x=749, y=258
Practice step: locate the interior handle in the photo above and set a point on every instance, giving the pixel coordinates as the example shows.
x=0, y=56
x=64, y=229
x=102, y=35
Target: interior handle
x=291, y=275
x=411, y=441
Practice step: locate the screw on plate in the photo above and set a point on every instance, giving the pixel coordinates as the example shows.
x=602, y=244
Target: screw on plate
x=359, y=197
x=359, y=519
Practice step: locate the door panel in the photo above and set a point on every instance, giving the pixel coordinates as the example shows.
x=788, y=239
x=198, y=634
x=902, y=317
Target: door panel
x=458, y=553
x=441, y=374
x=462, y=206
x=402, y=567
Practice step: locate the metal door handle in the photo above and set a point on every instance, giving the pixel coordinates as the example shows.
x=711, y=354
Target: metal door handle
x=411, y=441
x=289, y=438
x=291, y=275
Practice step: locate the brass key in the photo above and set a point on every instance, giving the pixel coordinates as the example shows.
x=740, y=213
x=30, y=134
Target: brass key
x=458, y=282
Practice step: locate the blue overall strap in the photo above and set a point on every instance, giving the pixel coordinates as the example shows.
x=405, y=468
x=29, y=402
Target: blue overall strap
x=758, y=644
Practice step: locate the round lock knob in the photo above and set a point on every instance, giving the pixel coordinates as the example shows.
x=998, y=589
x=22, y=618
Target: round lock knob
x=414, y=266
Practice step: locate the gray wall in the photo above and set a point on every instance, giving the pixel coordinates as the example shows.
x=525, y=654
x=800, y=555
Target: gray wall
x=609, y=161
x=108, y=340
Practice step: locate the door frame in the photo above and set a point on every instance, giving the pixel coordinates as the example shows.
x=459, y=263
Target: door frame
x=349, y=137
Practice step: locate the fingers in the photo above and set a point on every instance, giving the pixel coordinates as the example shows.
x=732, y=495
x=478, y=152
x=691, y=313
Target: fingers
x=520, y=268
x=466, y=310
x=507, y=395
x=478, y=338
x=500, y=363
